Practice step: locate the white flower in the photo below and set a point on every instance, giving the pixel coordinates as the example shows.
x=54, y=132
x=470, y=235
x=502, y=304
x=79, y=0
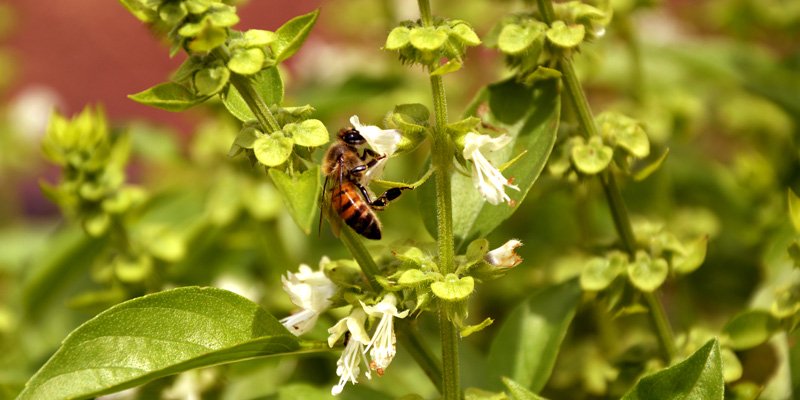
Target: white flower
x=311, y=291
x=505, y=256
x=486, y=178
x=382, y=344
x=382, y=141
x=349, y=365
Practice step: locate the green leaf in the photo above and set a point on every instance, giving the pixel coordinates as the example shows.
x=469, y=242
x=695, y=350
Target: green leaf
x=246, y=138
x=601, y=271
x=247, y=61
x=154, y=336
x=168, y=96
x=527, y=343
x=530, y=116
x=397, y=39
x=480, y=394
x=448, y=67
x=223, y=17
x=258, y=37
x=750, y=329
x=291, y=35
x=209, y=38
x=300, y=194
x=641, y=169
x=695, y=254
x=427, y=38
x=697, y=377
x=519, y=392
x=465, y=34
x=310, y=133
x=413, y=277
x=794, y=209
x=646, y=273
x=268, y=84
x=70, y=255
x=172, y=13
x=453, y=288
x=515, y=39
x=273, y=149
x=591, y=158
x=210, y=81
x=566, y=36
x=625, y=132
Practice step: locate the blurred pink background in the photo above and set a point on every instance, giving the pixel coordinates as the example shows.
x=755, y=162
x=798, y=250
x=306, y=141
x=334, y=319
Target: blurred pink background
x=94, y=51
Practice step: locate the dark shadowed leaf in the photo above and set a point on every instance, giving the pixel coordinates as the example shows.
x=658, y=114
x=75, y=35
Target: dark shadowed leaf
x=158, y=335
x=526, y=346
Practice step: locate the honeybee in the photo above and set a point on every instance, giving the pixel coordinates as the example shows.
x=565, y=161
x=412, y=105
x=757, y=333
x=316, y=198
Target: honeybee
x=346, y=168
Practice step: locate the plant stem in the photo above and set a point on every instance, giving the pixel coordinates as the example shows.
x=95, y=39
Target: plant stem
x=409, y=337
x=244, y=85
x=361, y=255
x=614, y=198
x=661, y=323
x=442, y=159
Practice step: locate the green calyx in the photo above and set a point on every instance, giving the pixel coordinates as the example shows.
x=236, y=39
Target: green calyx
x=427, y=45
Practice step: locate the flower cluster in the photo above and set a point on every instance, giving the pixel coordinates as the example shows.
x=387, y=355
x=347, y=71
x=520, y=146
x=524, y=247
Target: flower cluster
x=312, y=292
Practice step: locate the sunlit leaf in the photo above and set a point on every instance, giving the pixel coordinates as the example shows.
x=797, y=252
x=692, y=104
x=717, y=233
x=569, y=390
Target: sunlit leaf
x=697, y=377
x=274, y=149
x=291, y=35
x=154, y=336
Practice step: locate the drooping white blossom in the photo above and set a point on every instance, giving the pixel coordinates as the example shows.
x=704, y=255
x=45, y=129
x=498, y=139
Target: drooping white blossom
x=382, y=346
x=311, y=291
x=489, y=181
x=382, y=141
x=348, y=368
x=505, y=256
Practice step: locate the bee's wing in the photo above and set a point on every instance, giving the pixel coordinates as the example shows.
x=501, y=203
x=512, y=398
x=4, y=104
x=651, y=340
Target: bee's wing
x=327, y=208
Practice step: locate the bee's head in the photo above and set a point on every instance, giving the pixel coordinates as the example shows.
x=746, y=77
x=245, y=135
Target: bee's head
x=351, y=136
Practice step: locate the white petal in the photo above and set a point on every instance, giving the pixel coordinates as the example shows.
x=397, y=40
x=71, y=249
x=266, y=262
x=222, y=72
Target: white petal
x=505, y=256
x=474, y=142
x=300, y=322
x=354, y=323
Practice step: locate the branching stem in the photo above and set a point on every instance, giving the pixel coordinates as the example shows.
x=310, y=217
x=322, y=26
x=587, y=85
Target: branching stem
x=244, y=85
x=614, y=198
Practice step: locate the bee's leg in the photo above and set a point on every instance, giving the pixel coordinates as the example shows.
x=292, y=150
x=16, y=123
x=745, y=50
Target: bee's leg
x=381, y=201
x=371, y=153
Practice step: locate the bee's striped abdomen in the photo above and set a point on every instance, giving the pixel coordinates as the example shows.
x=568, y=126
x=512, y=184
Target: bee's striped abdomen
x=355, y=211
